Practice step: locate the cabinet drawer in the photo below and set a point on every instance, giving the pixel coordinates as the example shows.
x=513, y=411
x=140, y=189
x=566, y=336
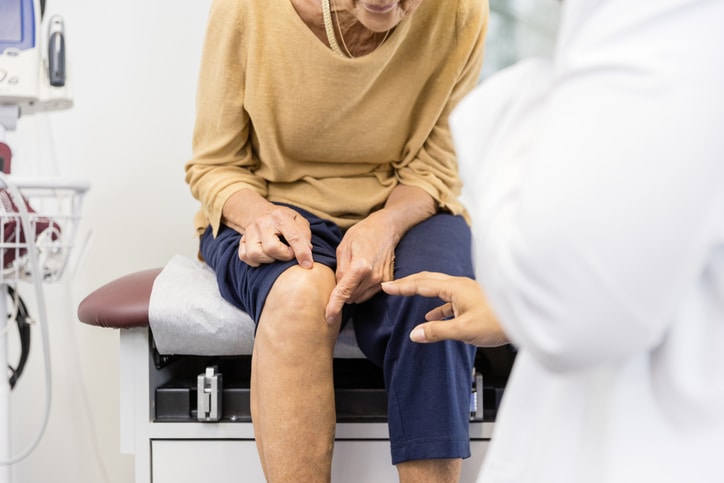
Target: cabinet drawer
x=193, y=461
x=235, y=461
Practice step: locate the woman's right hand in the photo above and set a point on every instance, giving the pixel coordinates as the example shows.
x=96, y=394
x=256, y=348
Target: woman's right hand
x=270, y=232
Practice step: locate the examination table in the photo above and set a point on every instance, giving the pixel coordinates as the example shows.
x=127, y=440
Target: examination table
x=184, y=375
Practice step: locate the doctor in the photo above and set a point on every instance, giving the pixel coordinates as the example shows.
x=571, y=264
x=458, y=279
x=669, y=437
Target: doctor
x=597, y=185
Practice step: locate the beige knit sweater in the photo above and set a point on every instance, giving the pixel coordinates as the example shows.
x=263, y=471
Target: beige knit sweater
x=279, y=113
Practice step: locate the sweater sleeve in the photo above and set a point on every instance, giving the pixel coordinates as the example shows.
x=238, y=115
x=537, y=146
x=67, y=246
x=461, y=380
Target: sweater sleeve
x=222, y=161
x=435, y=168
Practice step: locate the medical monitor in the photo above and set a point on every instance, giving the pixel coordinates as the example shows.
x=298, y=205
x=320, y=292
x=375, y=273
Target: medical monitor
x=33, y=71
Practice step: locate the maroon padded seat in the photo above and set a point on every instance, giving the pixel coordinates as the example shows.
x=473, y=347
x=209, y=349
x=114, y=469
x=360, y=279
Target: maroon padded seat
x=121, y=303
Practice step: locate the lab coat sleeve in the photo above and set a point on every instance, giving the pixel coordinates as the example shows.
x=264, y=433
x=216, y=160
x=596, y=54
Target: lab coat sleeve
x=597, y=180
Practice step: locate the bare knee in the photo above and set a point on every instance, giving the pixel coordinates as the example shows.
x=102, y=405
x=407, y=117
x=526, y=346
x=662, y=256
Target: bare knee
x=293, y=315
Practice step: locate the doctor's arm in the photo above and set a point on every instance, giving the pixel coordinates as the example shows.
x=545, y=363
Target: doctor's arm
x=594, y=221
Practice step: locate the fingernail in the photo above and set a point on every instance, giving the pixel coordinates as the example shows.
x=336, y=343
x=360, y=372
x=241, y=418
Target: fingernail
x=330, y=320
x=417, y=335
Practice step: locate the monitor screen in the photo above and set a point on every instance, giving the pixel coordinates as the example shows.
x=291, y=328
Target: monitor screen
x=11, y=21
x=17, y=24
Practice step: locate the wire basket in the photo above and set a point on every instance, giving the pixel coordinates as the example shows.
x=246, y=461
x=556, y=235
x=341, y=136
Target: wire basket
x=38, y=223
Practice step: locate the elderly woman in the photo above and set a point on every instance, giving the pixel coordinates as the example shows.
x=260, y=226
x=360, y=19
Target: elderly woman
x=324, y=166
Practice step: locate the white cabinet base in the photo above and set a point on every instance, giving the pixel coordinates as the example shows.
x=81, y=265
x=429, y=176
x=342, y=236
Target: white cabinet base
x=193, y=452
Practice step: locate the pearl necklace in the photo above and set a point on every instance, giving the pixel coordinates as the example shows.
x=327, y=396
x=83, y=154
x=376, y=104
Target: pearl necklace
x=329, y=28
x=332, y=39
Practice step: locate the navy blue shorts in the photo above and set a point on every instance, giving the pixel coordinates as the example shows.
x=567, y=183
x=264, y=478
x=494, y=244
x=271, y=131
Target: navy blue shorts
x=428, y=385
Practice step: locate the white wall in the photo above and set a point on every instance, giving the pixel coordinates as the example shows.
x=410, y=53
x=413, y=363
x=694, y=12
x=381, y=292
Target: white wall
x=134, y=67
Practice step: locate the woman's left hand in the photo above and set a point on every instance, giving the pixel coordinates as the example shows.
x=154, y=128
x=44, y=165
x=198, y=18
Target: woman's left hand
x=365, y=258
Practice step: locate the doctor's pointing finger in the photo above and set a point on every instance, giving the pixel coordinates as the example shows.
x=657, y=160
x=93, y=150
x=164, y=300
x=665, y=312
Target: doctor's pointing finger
x=465, y=316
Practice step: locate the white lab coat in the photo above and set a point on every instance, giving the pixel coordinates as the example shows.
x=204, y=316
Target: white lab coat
x=596, y=185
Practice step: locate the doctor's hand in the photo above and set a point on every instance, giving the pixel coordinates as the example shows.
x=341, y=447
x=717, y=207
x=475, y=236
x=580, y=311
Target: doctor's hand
x=466, y=316
x=270, y=232
x=365, y=257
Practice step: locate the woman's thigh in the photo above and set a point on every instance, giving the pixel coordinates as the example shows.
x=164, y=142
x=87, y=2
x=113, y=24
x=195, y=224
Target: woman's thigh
x=441, y=243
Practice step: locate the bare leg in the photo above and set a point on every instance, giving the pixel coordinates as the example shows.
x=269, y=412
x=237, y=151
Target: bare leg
x=292, y=392
x=430, y=471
